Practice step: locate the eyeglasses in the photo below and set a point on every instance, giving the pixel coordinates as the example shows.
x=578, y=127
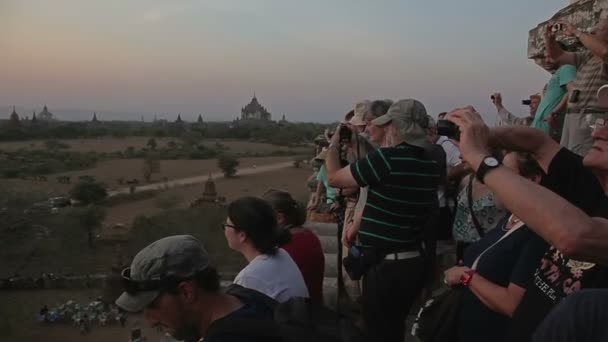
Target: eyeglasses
x=224, y=225
x=597, y=123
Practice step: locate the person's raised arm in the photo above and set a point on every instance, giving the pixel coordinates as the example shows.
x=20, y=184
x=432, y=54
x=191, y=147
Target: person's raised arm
x=553, y=50
x=592, y=42
x=525, y=139
x=558, y=222
x=337, y=176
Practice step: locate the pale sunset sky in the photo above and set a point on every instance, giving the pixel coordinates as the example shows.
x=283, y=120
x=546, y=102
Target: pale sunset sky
x=310, y=60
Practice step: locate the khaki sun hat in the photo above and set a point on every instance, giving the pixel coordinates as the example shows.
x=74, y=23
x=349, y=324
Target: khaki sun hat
x=361, y=109
x=411, y=117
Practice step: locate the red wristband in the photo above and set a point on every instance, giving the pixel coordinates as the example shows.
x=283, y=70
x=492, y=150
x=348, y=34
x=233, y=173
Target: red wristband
x=466, y=277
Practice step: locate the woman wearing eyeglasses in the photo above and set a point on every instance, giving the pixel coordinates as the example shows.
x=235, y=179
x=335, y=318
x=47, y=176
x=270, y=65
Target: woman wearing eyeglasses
x=251, y=229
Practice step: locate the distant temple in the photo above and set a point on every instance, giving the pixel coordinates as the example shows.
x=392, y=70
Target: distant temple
x=210, y=193
x=45, y=115
x=14, y=118
x=255, y=111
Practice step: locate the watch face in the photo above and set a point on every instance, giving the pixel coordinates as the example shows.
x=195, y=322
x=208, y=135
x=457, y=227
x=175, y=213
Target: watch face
x=490, y=161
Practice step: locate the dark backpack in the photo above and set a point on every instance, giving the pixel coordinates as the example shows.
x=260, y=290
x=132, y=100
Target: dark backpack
x=297, y=320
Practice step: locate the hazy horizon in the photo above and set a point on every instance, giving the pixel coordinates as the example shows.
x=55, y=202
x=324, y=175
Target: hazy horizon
x=310, y=61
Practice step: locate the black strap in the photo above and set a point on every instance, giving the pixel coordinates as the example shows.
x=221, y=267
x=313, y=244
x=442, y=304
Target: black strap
x=470, y=203
x=245, y=327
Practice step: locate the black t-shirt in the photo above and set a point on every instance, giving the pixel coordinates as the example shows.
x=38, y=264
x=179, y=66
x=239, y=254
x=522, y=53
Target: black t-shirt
x=254, y=308
x=558, y=276
x=512, y=260
x=581, y=317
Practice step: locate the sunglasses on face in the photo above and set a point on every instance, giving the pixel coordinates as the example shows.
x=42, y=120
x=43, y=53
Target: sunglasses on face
x=162, y=284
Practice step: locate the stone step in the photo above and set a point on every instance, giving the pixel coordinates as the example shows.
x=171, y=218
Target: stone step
x=331, y=265
x=329, y=244
x=322, y=228
x=330, y=292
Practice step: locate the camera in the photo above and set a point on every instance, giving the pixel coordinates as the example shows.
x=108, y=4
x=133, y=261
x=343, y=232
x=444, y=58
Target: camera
x=448, y=129
x=346, y=134
x=526, y=102
x=492, y=97
x=574, y=97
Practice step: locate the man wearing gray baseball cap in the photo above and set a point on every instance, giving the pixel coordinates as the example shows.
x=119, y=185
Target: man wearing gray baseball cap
x=172, y=282
x=402, y=180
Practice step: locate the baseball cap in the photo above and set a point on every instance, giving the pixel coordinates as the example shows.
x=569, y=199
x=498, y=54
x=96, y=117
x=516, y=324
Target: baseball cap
x=361, y=109
x=159, y=266
x=411, y=116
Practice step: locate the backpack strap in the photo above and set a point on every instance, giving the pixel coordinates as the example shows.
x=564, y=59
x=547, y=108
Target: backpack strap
x=245, y=327
x=470, y=204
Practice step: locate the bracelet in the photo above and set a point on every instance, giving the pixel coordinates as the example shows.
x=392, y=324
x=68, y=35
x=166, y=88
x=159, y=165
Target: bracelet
x=466, y=277
x=336, y=146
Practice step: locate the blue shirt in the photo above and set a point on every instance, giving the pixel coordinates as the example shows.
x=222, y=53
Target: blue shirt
x=330, y=193
x=556, y=90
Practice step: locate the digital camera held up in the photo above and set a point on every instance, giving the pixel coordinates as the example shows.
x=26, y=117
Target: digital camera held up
x=449, y=129
x=346, y=134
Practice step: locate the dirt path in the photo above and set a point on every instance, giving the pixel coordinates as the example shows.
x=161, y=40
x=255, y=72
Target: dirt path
x=203, y=178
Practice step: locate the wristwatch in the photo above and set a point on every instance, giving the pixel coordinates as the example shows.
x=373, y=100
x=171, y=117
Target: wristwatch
x=488, y=163
x=466, y=277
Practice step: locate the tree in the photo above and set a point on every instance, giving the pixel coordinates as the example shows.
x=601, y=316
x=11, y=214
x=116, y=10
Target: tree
x=90, y=217
x=228, y=163
x=88, y=192
x=151, y=143
x=151, y=165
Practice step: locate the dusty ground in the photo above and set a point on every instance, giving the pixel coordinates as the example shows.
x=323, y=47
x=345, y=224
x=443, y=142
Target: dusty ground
x=111, y=170
x=18, y=311
x=289, y=179
x=109, y=144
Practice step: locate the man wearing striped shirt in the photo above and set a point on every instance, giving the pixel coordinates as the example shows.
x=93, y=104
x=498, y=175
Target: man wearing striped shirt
x=591, y=74
x=403, y=180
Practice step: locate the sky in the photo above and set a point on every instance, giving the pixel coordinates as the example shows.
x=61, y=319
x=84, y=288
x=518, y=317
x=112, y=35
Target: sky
x=310, y=60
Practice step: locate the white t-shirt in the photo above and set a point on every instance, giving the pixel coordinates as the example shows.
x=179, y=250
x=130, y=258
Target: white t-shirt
x=276, y=276
x=452, y=158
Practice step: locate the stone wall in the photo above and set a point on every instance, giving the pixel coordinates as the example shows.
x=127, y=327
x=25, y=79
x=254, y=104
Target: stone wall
x=584, y=14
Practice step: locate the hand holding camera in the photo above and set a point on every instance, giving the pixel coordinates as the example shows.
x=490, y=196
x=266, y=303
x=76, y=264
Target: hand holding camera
x=448, y=129
x=497, y=100
x=566, y=28
x=474, y=134
x=342, y=135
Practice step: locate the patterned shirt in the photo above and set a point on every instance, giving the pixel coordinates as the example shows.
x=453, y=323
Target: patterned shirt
x=403, y=182
x=484, y=209
x=590, y=76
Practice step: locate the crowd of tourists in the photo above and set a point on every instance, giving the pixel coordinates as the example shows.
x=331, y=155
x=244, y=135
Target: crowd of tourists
x=523, y=204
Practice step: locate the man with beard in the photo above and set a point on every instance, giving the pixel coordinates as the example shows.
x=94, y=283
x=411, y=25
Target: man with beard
x=172, y=282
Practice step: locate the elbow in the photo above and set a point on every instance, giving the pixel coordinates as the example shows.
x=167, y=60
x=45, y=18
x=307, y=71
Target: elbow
x=570, y=243
x=332, y=180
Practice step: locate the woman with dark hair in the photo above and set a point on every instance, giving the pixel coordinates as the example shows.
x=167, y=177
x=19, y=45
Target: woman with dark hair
x=498, y=268
x=477, y=211
x=302, y=244
x=251, y=229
